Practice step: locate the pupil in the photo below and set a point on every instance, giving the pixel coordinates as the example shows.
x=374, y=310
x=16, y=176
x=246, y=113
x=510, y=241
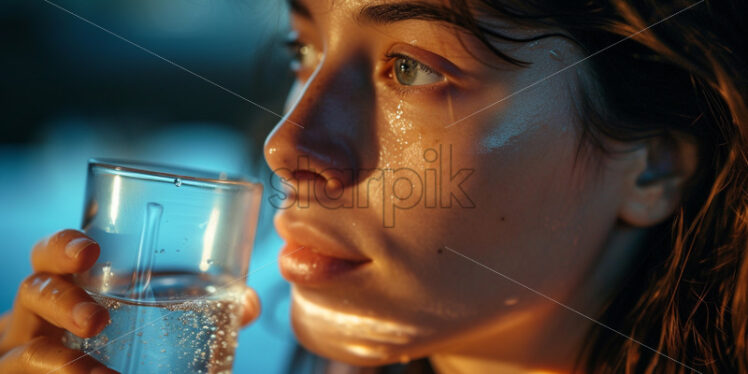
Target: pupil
x=406, y=71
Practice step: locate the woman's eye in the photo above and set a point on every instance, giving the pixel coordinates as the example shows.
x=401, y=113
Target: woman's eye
x=303, y=55
x=410, y=72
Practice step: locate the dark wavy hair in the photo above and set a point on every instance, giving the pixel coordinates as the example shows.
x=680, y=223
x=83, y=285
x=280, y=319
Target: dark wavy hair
x=686, y=75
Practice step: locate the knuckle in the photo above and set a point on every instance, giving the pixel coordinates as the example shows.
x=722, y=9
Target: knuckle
x=43, y=351
x=58, y=291
x=38, y=284
x=33, y=351
x=30, y=282
x=50, y=288
x=42, y=243
x=65, y=355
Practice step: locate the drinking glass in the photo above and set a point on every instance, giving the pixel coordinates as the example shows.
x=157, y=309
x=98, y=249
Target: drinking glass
x=175, y=248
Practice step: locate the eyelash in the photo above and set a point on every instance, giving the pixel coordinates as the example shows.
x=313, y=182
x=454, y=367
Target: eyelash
x=403, y=90
x=293, y=46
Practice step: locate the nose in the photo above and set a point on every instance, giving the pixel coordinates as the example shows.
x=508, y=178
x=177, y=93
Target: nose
x=327, y=136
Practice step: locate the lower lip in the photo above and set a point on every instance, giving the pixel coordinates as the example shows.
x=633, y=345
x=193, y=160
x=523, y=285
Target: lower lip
x=299, y=264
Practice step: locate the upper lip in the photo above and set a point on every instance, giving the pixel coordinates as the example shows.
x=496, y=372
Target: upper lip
x=309, y=236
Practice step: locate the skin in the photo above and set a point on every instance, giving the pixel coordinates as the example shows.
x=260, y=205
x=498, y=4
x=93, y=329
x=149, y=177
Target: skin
x=541, y=220
x=558, y=225
x=47, y=303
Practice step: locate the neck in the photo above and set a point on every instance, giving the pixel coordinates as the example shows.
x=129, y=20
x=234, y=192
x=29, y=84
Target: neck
x=544, y=340
x=455, y=364
x=549, y=337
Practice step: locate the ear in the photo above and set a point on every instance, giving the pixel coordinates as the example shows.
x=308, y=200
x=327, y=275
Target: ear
x=657, y=187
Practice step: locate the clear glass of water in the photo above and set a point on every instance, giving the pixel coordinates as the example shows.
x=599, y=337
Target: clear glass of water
x=175, y=249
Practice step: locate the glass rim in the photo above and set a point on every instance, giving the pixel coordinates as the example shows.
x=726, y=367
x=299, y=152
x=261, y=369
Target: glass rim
x=173, y=173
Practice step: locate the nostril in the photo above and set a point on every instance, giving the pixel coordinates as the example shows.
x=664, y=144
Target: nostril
x=305, y=175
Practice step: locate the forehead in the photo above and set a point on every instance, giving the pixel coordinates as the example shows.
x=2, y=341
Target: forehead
x=309, y=7
x=386, y=12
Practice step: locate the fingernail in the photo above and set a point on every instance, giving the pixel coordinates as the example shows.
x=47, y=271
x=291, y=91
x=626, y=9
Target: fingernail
x=76, y=246
x=85, y=311
x=102, y=370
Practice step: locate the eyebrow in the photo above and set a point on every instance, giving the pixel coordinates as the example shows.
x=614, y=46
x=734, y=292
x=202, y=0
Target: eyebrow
x=401, y=11
x=388, y=13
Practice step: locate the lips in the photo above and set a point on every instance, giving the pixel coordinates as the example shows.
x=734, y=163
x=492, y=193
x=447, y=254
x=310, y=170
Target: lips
x=311, y=257
x=304, y=265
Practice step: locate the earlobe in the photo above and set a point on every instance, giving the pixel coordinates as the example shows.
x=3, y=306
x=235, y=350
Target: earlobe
x=648, y=205
x=657, y=188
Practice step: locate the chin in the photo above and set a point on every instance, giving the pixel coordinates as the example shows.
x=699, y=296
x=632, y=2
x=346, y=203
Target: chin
x=353, y=339
x=349, y=353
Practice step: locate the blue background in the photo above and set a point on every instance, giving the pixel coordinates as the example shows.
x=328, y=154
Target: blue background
x=70, y=91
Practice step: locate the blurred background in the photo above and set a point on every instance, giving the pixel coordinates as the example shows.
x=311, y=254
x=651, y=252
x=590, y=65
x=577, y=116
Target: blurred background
x=70, y=90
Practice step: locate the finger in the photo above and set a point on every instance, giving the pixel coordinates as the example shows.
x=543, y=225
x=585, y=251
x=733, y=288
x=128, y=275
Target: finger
x=64, y=252
x=43, y=355
x=251, y=308
x=4, y=321
x=61, y=303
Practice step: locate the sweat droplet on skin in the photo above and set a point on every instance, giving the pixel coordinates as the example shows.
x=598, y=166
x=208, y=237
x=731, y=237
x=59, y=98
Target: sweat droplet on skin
x=399, y=137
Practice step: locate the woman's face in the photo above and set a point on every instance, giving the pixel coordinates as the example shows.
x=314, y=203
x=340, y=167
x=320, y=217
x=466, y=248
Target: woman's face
x=416, y=173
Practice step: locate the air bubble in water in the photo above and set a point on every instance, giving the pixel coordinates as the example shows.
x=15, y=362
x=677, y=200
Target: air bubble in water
x=177, y=182
x=204, y=335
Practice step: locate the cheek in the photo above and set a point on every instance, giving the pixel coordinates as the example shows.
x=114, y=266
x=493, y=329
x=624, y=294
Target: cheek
x=540, y=218
x=400, y=135
x=537, y=217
